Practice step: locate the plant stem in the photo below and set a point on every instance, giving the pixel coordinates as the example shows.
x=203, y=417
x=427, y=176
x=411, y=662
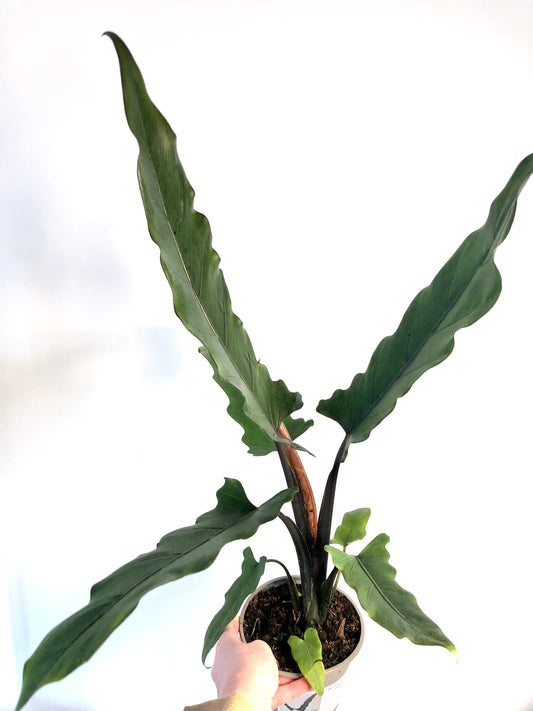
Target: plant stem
x=326, y=516
x=295, y=463
x=298, y=506
x=305, y=563
x=335, y=584
x=295, y=595
x=327, y=591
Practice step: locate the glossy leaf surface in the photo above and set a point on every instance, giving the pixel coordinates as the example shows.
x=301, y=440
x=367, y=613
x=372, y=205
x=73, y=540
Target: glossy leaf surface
x=256, y=439
x=307, y=653
x=352, y=528
x=245, y=585
x=182, y=552
x=396, y=609
x=201, y=298
x=464, y=290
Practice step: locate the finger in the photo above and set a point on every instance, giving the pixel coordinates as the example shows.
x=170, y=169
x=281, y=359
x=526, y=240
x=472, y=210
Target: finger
x=232, y=630
x=229, y=639
x=290, y=690
x=284, y=680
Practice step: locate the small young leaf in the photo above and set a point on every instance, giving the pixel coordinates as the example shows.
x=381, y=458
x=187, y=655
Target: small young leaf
x=191, y=265
x=245, y=585
x=182, y=552
x=352, y=528
x=466, y=287
x=373, y=579
x=307, y=653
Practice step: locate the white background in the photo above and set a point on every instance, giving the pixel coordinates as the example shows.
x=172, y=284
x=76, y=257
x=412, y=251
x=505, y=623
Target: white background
x=342, y=151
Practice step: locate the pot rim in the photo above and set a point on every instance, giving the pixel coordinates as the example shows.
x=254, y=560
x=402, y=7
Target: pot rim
x=335, y=670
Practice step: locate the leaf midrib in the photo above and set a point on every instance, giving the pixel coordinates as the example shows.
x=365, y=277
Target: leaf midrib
x=434, y=330
x=118, y=600
x=186, y=271
x=376, y=587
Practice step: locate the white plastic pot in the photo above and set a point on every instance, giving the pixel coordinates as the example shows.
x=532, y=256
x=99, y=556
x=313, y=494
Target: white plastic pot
x=334, y=675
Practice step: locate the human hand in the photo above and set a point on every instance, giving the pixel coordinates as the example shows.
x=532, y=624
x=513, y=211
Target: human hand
x=252, y=670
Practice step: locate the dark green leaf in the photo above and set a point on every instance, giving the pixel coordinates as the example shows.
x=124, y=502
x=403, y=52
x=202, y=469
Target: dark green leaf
x=244, y=586
x=307, y=653
x=256, y=439
x=373, y=579
x=352, y=528
x=182, y=552
x=297, y=426
x=201, y=298
x=464, y=290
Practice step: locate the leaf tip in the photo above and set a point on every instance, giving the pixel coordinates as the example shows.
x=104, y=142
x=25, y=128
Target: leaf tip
x=112, y=36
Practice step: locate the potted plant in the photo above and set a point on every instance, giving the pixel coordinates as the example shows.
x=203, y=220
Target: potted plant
x=464, y=289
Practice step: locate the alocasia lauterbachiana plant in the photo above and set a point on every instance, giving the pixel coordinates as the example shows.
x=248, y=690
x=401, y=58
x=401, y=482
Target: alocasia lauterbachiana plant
x=464, y=290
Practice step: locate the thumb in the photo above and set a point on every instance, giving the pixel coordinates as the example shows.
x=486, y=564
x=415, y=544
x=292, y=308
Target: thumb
x=233, y=628
x=231, y=635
